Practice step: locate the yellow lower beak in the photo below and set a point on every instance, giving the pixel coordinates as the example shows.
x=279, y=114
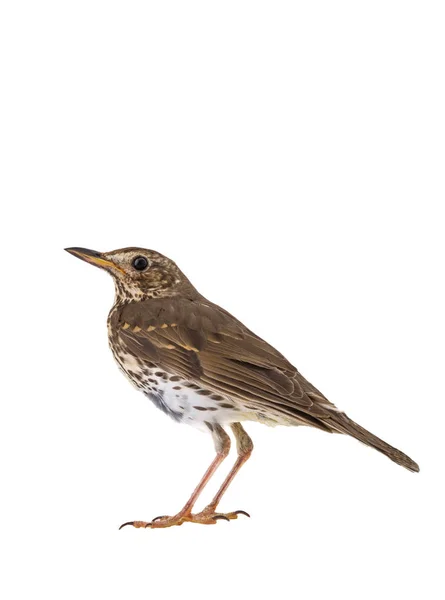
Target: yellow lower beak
x=93, y=257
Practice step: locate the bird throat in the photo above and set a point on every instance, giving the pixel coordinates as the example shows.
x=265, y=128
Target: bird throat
x=135, y=291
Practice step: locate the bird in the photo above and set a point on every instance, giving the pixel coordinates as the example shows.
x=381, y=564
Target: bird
x=202, y=367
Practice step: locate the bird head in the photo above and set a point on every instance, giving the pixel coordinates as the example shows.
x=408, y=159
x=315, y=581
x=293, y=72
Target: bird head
x=138, y=273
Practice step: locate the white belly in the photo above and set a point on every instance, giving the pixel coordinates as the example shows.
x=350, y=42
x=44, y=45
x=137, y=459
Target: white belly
x=183, y=400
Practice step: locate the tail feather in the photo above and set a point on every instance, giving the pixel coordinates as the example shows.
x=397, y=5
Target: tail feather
x=343, y=424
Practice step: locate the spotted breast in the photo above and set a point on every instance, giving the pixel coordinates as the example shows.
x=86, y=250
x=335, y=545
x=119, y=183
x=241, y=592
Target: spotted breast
x=181, y=398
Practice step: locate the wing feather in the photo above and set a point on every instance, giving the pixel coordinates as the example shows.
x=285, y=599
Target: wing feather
x=209, y=347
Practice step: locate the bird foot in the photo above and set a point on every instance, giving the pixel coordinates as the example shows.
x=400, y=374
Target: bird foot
x=159, y=522
x=205, y=517
x=210, y=517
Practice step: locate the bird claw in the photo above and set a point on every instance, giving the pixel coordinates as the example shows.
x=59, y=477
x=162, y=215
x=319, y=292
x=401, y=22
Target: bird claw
x=206, y=517
x=159, y=518
x=158, y=522
x=241, y=512
x=221, y=517
x=231, y=515
x=136, y=524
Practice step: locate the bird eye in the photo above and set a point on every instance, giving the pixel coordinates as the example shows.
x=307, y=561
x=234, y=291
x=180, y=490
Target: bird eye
x=140, y=263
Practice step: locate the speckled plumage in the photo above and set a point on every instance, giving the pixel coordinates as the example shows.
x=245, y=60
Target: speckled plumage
x=203, y=367
x=182, y=389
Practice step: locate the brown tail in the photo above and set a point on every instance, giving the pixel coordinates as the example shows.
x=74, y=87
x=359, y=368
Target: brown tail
x=343, y=424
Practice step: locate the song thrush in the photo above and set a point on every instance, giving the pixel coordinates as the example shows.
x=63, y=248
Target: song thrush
x=203, y=367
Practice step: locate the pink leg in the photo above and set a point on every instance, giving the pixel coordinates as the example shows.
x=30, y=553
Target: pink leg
x=222, y=445
x=244, y=446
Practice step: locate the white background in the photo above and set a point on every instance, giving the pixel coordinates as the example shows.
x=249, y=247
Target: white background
x=289, y=156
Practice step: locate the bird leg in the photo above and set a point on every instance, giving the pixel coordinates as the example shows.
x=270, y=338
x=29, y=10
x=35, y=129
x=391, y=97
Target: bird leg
x=222, y=446
x=244, y=447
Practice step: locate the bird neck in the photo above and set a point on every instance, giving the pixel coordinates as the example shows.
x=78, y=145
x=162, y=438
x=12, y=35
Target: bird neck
x=132, y=293
x=126, y=292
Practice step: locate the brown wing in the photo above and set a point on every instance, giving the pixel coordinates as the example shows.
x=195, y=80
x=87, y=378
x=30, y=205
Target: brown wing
x=204, y=344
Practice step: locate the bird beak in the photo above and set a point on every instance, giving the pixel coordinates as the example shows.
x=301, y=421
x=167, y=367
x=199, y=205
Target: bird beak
x=93, y=257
